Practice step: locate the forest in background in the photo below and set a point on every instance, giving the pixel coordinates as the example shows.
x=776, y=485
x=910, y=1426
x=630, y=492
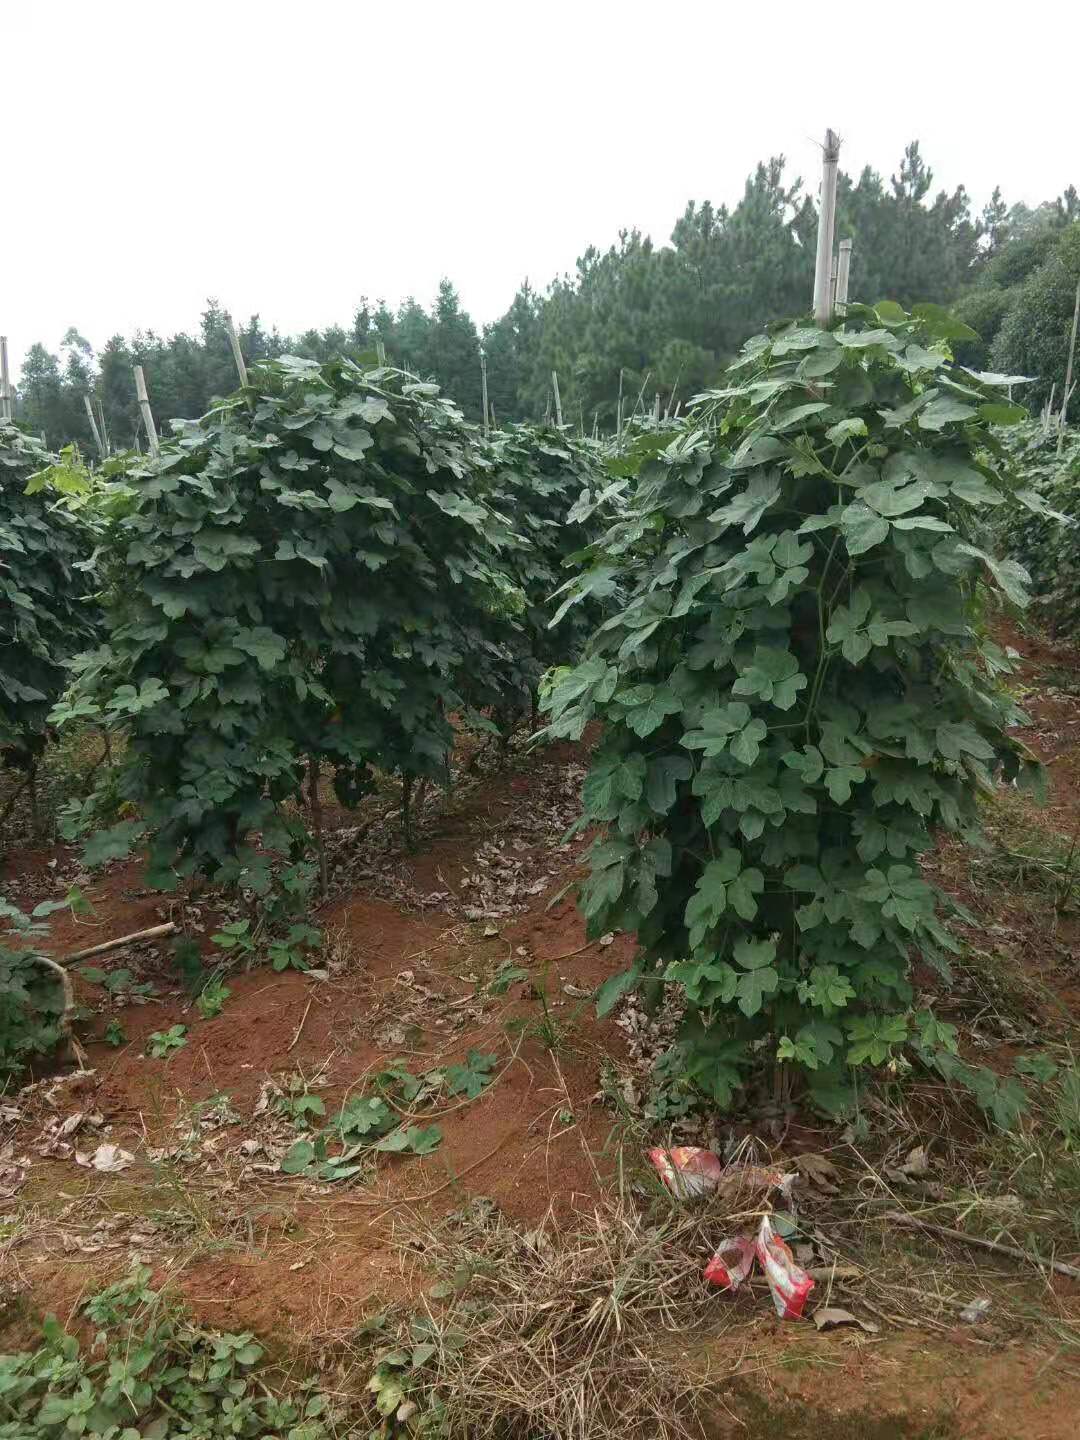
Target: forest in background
x=639, y=319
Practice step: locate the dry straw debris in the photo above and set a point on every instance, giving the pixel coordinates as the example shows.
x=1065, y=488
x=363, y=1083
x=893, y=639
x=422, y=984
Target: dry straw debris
x=578, y=1330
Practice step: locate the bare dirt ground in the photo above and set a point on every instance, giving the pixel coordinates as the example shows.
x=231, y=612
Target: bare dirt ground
x=414, y=969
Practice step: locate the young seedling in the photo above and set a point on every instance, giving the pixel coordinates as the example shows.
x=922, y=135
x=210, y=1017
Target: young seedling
x=162, y=1043
x=211, y=1000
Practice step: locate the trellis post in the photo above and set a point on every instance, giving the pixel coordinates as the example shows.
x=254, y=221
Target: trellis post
x=826, y=230
x=144, y=407
x=5, y=381
x=237, y=353
x=843, y=271
x=1068, y=372
x=94, y=426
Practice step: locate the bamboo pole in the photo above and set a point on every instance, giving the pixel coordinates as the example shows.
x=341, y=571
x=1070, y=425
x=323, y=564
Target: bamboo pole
x=144, y=406
x=484, y=389
x=558, y=398
x=618, y=412
x=1068, y=371
x=641, y=393
x=826, y=229
x=94, y=426
x=155, y=932
x=5, y=381
x=237, y=353
x=104, y=427
x=843, y=273
x=1048, y=410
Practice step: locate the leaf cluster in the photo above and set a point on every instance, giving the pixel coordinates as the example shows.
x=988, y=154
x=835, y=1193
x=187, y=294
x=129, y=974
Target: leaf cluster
x=159, y=1376
x=46, y=610
x=798, y=694
x=31, y=997
x=1047, y=542
x=317, y=570
x=377, y=1119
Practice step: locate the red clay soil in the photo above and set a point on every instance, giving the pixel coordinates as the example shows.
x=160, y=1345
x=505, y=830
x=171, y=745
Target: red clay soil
x=290, y=1260
x=1024, y=924
x=407, y=990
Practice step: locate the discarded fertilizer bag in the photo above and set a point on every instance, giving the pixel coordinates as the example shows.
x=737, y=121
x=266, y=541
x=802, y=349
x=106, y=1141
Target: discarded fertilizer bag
x=689, y=1172
x=733, y=1260
x=789, y=1282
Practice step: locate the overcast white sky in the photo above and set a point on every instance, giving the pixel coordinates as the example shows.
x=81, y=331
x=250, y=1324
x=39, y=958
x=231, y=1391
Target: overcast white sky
x=292, y=157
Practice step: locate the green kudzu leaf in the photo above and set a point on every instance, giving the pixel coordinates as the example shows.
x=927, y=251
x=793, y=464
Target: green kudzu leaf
x=748, y=508
x=615, y=988
x=415, y=1139
x=1002, y=413
x=112, y=844
x=298, y=1158
x=710, y=899
x=752, y=988
x=662, y=779
x=472, y=1077
x=851, y=428
x=754, y=954
x=648, y=716
x=945, y=410
x=862, y=528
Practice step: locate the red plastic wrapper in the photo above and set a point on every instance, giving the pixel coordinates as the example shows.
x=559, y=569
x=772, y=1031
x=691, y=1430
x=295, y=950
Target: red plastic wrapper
x=732, y=1263
x=688, y=1171
x=789, y=1282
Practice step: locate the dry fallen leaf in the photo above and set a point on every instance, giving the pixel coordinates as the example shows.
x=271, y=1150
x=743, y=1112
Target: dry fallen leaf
x=12, y=1176
x=917, y=1162
x=828, y=1317
x=821, y=1173
x=106, y=1157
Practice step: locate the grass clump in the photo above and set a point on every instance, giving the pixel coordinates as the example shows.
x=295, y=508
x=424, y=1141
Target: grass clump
x=150, y=1373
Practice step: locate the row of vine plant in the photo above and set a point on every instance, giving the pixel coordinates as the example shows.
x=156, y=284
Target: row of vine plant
x=331, y=571
x=776, y=609
x=798, y=694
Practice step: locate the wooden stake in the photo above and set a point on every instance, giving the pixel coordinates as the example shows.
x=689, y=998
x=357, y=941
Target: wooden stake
x=237, y=353
x=1048, y=410
x=484, y=389
x=144, y=406
x=641, y=393
x=94, y=426
x=155, y=932
x=5, y=381
x=618, y=412
x=558, y=399
x=843, y=272
x=380, y=351
x=104, y=427
x=314, y=775
x=898, y=1217
x=826, y=229
x=1068, y=371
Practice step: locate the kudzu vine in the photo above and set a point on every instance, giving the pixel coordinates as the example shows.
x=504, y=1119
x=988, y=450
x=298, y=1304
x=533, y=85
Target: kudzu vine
x=46, y=613
x=797, y=694
x=1047, y=543
x=314, y=572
